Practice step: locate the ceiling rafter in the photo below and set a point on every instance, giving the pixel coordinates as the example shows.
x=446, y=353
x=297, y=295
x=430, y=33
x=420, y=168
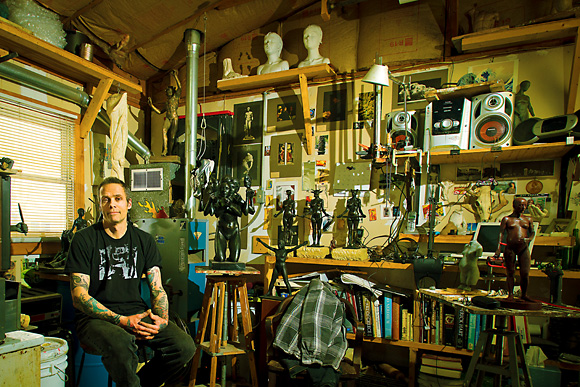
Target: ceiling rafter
x=210, y=6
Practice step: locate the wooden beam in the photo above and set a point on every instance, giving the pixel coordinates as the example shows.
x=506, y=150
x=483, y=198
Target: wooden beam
x=95, y=105
x=574, y=74
x=306, y=112
x=324, y=10
x=451, y=24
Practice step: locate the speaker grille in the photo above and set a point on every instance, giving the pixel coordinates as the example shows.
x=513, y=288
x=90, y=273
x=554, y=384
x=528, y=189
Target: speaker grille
x=492, y=129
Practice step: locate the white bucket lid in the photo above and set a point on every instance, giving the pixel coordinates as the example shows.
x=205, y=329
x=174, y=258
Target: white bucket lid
x=52, y=348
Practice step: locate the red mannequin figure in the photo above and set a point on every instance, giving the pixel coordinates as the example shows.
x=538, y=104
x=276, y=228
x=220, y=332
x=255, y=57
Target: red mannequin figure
x=520, y=231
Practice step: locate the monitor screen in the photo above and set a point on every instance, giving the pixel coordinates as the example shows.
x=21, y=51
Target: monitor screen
x=487, y=234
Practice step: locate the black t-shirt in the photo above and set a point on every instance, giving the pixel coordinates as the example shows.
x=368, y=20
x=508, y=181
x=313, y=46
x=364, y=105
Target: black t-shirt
x=115, y=266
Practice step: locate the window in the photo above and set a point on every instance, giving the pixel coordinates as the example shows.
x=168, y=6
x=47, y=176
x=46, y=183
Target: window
x=40, y=141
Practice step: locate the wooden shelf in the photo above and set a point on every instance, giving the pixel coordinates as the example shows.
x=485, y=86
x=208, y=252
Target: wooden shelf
x=505, y=36
x=417, y=346
x=512, y=153
x=16, y=39
x=275, y=79
x=463, y=239
x=337, y=262
x=466, y=91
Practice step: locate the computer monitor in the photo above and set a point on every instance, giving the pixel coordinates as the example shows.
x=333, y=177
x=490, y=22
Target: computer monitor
x=487, y=235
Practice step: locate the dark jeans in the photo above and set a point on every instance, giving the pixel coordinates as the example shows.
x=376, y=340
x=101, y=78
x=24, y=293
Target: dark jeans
x=173, y=349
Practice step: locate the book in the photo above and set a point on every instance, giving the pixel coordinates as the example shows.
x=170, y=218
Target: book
x=441, y=324
x=388, y=316
x=404, y=321
x=449, y=329
x=460, y=328
x=396, y=324
x=359, y=305
x=377, y=320
x=438, y=371
x=367, y=313
x=410, y=327
x=439, y=361
x=433, y=322
x=472, y=326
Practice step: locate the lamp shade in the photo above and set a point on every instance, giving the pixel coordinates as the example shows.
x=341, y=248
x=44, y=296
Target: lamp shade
x=377, y=75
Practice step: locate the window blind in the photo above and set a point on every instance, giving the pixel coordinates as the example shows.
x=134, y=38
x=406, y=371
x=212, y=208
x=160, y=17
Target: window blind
x=41, y=144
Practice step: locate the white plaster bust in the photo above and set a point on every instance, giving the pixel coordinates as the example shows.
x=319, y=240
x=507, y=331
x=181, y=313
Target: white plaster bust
x=312, y=38
x=273, y=48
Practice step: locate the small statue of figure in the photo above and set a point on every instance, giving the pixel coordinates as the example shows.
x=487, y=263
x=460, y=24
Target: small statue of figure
x=523, y=105
x=171, y=117
x=224, y=204
x=280, y=268
x=520, y=231
x=289, y=213
x=468, y=270
x=355, y=213
x=317, y=212
x=250, y=193
x=65, y=240
x=79, y=223
x=312, y=37
x=273, y=48
x=248, y=119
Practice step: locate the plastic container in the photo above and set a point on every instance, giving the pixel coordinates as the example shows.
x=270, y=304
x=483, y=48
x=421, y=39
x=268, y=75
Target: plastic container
x=53, y=362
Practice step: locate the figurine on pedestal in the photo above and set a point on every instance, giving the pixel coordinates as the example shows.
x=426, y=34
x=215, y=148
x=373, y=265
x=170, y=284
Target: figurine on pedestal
x=281, y=254
x=273, y=48
x=355, y=213
x=289, y=213
x=519, y=229
x=171, y=117
x=312, y=38
x=227, y=205
x=468, y=270
x=317, y=212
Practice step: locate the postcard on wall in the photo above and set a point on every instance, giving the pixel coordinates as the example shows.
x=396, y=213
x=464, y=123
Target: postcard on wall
x=574, y=202
x=414, y=87
x=321, y=144
x=286, y=156
x=334, y=106
x=247, y=123
x=281, y=192
x=506, y=71
x=248, y=160
x=285, y=113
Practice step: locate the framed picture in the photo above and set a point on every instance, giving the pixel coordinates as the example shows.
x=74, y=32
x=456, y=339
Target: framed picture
x=334, y=107
x=366, y=106
x=248, y=158
x=420, y=83
x=286, y=156
x=285, y=113
x=247, y=123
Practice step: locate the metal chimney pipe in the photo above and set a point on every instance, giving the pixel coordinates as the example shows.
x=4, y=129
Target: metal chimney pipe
x=192, y=42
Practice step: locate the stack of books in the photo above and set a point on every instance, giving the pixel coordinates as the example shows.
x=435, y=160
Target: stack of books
x=440, y=371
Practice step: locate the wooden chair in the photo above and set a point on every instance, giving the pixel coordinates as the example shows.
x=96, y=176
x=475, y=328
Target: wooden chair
x=350, y=368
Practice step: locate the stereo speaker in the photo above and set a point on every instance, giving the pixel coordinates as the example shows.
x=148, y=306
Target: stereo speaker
x=491, y=122
x=447, y=124
x=404, y=127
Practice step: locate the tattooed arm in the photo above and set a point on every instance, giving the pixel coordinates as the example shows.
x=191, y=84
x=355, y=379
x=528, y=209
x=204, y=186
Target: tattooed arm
x=87, y=304
x=159, y=302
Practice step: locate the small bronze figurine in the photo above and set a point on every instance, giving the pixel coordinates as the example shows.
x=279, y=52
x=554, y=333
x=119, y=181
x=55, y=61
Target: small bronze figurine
x=355, y=213
x=317, y=212
x=171, y=117
x=280, y=268
x=289, y=213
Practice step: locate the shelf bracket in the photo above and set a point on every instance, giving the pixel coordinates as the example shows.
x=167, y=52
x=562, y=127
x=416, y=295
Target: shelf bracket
x=95, y=105
x=306, y=112
x=575, y=73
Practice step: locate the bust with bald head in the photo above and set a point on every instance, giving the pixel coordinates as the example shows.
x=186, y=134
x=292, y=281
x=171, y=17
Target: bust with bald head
x=273, y=48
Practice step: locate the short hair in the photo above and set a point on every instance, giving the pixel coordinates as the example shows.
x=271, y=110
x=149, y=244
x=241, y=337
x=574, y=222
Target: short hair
x=278, y=39
x=315, y=27
x=115, y=180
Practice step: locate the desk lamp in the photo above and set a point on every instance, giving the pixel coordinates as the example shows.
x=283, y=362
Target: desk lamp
x=378, y=75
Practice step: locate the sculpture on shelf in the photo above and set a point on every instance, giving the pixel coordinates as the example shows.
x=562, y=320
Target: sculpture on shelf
x=66, y=237
x=273, y=48
x=289, y=213
x=281, y=254
x=173, y=94
x=229, y=72
x=317, y=213
x=523, y=105
x=312, y=38
x=354, y=214
x=481, y=20
x=519, y=229
x=468, y=270
x=227, y=205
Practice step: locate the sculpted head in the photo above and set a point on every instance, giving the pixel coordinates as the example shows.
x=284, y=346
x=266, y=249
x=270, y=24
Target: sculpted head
x=273, y=44
x=312, y=36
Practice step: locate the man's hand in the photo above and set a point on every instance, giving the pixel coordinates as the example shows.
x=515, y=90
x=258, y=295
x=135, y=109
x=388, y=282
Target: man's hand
x=150, y=330
x=133, y=324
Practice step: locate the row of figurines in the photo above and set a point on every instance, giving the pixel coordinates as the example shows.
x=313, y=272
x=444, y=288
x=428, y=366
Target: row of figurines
x=222, y=200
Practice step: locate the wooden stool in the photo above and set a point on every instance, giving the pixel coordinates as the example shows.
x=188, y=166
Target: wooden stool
x=515, y=348
x=220, y=342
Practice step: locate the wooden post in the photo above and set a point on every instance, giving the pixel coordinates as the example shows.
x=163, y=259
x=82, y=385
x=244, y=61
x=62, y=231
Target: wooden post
x=306, y=112
x=95, y=105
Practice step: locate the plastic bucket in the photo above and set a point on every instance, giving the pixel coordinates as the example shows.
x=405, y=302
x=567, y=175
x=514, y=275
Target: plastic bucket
x=53, y=362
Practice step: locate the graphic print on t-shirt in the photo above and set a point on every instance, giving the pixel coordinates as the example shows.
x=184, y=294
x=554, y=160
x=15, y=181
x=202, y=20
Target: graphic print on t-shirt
x=117, y=261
